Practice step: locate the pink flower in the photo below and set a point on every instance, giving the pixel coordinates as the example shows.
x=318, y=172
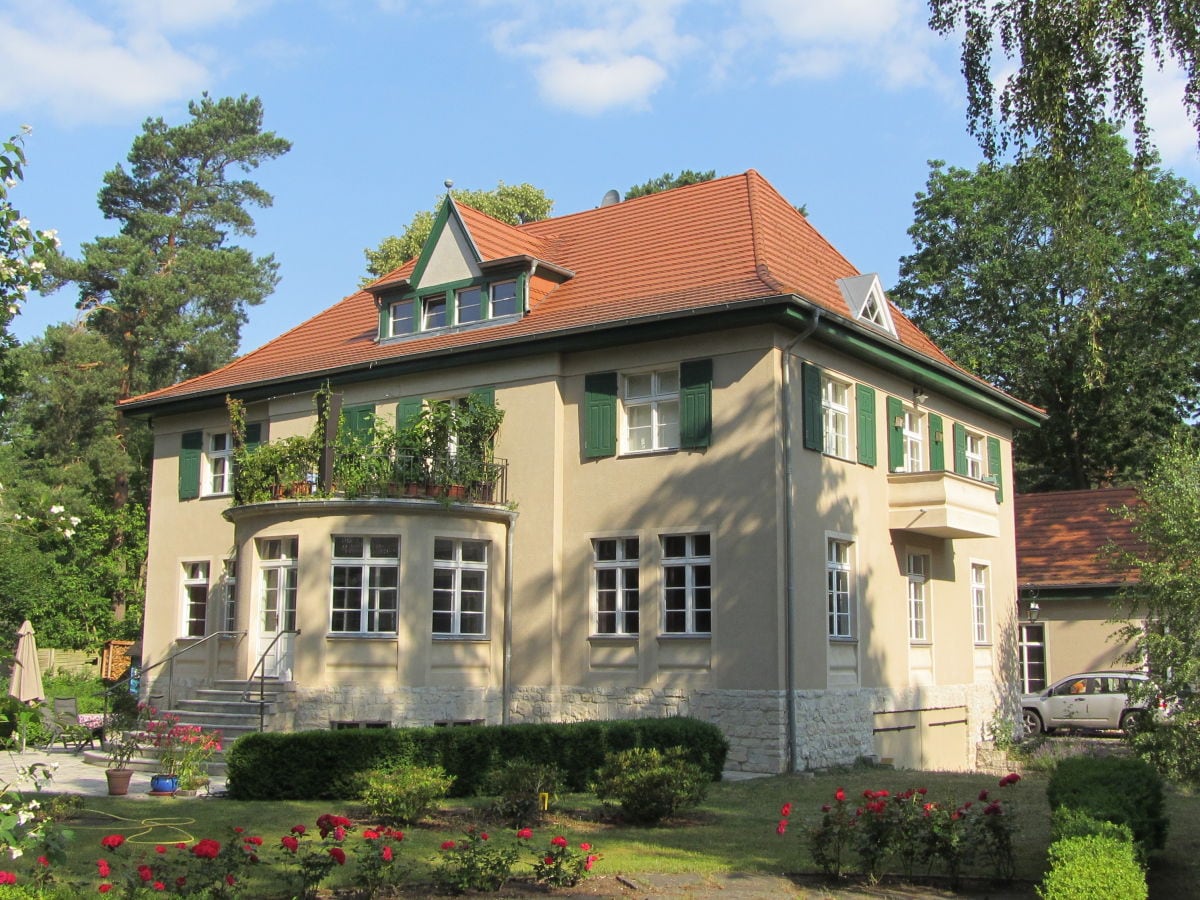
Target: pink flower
x=585, y=847
x=591, y=860
x=102, y=867
x=112, y=841
x=338, y=854
x=781, y=828
x=839, y=795
x=525, y=834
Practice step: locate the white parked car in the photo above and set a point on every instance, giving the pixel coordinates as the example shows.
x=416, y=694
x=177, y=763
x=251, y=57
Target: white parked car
x=1093, y=700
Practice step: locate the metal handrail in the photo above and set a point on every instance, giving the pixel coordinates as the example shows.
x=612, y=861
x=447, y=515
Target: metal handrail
x=262, y=678
x=170, y=658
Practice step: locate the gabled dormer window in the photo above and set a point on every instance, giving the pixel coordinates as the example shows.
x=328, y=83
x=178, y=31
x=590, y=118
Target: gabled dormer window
x=464, y=304
x=865, y=298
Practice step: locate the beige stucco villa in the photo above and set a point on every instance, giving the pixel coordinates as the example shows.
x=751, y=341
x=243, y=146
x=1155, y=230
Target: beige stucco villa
x=734, y=482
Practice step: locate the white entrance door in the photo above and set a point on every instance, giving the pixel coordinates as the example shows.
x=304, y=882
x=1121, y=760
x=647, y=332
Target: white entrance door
x=277, y=611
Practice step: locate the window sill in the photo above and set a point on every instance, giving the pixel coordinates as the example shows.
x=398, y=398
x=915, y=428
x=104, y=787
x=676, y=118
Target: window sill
x=634, y=454
x=360, y=636
x=696, y=636
x=620, y=638
x=462, y=638
x=842, y=639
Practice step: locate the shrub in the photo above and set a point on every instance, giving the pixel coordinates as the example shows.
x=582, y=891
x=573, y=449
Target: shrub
x=405, y=794
x=1065, y=823
x=649, y=784
x=1125, y=791
x=518, y=786
x=1095, y=865
x=327, y=765
x=475, y=863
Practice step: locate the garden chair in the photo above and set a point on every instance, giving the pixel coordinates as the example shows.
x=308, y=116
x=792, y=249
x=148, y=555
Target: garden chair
x=62, y=721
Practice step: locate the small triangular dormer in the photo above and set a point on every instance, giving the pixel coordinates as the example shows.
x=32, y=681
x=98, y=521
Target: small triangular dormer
x=864, y=295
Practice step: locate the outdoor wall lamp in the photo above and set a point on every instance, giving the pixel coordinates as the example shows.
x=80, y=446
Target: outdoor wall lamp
x=919, y=396
x=1033, y=609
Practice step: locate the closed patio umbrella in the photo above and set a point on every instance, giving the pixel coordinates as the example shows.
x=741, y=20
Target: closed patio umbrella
x=26, y=681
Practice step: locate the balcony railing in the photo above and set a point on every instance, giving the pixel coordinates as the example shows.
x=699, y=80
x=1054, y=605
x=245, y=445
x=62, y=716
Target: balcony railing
x=942, y=504
x=454, y=478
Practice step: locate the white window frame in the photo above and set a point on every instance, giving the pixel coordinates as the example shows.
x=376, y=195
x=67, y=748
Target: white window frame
x=836, y=416
x=196, y=590
x=1029, y=685
x=616, y=577
x=687, y=585
x=458, y=578
x=218, y=463
x=661, y=406
x=406, y=321
x=430, y=302
x=480, y=292
x=491, y=293
x=378, y=586
x=974, y=445
x=918, y=569
x=981, y=602
x=839, y=585
x=914, y=441
x=279, y=575
x=226, y=589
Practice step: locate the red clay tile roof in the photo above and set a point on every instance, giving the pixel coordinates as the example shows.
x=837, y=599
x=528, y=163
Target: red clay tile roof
x=702, y=246
x=1060, y=535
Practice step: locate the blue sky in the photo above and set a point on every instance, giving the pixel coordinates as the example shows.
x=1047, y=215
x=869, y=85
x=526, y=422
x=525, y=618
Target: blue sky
x=839, y=105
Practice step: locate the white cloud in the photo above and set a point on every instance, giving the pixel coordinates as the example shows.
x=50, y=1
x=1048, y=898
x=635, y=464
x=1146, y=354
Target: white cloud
x=594, y=87
x=1173, y=133
x=104, y=63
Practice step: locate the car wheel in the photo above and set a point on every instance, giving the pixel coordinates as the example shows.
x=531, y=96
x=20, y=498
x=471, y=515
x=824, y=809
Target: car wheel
x=1133, y=720
x=1032, y=722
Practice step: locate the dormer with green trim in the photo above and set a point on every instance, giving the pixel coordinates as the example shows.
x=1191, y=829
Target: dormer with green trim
x=452, y=286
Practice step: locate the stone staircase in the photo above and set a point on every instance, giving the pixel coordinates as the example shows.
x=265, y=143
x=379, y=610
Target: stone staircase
x=217, y=708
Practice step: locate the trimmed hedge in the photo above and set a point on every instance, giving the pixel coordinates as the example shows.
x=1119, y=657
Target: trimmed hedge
x=324, y=765
x=1122, y=790
x=1093, y=866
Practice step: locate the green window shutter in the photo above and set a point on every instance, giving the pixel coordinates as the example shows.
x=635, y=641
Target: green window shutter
x=994, y=467
x=695, y=403
x=937, y=444
x=408, y=410
x=191, y=446
x=960, y=449
x=385, y=320
x=895, y=413
x=360, y=421
x=253, y=435
x=487, y=394
x=600, y=415
x=865, y=409
x=814, y=424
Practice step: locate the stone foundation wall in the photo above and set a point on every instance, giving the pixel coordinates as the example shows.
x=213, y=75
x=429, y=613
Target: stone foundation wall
x=832, y=727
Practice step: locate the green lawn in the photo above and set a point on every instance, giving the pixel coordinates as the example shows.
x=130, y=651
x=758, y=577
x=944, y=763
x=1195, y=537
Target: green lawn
x=733, y=832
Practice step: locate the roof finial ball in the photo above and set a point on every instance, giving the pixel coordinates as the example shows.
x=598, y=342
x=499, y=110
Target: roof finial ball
x=449, y=183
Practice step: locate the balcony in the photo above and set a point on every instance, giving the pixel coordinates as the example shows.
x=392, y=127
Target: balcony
x=943, y=505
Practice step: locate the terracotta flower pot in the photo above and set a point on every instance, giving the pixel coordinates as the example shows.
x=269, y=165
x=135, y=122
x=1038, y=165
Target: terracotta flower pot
x=118, y=781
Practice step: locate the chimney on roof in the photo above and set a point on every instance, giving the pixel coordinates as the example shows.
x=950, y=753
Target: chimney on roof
x=611, y=198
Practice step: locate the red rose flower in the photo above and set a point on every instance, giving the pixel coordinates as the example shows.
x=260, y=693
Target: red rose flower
x=370, y=834
x=338, y=854
x=207, y=848
x=102, y=867
x=386, y=855
x=144, y=873
x=448, y=845
x=105, y=888
x=238, y=829
x=43, y=862
x=525, y=834
x=8, y=877
x=160, y=849
x=983, y=795
x=781, y=828
x=289, y=842
x=786, y=810
x=112, y=841
x=839, y=795
x=548, y=860
x=159, y=886
x=585, y=847
x=559, y=841
x=298, y=829
x=230, y=880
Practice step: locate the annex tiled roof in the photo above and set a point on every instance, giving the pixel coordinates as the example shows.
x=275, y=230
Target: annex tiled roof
x=702, y=246
x=1060, y=536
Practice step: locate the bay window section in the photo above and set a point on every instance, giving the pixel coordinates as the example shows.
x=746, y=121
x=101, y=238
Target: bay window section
x=433, y=311
x=504, y=299
x=365, y=580
x=468, y=305
x=402, y=317
x=460, y=576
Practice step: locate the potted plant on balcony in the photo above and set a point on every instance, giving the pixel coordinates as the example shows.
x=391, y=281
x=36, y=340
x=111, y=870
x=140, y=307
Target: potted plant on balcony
x=476, y=424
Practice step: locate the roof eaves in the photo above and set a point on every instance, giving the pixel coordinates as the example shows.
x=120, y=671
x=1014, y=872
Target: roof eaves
x=526, y=259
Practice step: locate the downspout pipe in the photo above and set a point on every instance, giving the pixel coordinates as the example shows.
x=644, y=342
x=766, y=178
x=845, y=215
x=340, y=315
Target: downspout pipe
x=789, y=603
x=506, y=677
